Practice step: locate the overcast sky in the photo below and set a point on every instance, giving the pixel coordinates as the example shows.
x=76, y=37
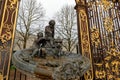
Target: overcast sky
x=52, y=6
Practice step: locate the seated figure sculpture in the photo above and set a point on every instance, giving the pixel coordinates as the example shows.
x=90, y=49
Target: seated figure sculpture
x=43, y=44
x=49, y=33
x=38, y=45
x=49, y=30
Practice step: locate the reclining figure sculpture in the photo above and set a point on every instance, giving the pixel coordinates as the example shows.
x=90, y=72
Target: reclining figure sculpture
x=47, y=61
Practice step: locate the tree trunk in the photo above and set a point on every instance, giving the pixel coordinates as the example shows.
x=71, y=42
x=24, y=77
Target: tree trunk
x=24, y=44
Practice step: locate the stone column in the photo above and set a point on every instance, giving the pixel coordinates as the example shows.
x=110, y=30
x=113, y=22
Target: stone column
x=83, y=34
x=8, y=18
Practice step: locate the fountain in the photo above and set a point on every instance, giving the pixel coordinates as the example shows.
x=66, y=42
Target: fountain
x=46, y=60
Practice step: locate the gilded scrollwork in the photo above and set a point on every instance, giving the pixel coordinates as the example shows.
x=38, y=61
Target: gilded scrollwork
x=100, y=74
x=84, y=33
x=7, y=33
x=112, y=63
x=8, y=24
x=113, y=52
x=88, y=75
x=115, y=66
x=104, y=37
x=108, y=24
x=85, y=42
x=110, y=77
x=106, y=4
x=95, y=38
x=83, y=15
x=12, y=3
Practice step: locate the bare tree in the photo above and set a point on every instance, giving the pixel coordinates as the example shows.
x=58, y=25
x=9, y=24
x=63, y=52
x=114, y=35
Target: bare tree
x=66, y=27
x=29, y=19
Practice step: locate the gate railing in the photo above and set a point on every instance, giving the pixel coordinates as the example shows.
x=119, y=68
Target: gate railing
x=16, y=74
x=103, y=18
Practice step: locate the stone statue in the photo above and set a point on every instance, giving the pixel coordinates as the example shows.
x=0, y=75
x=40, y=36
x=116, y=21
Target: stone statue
x=46, y=42
x=49, y=33
x=49, y=30
x=38, y=44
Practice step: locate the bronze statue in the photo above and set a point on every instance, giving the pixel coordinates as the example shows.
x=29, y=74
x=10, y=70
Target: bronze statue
x=42, y=41
x=38, y=44
x=49, y=33
x=49, y=30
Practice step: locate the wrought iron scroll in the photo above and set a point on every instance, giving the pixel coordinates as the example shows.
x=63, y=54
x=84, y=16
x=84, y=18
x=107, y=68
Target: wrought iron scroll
x=104, y=23
x=103, y=26
x=7, y=28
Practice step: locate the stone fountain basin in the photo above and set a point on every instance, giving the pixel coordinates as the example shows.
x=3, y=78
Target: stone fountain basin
x=50, y=67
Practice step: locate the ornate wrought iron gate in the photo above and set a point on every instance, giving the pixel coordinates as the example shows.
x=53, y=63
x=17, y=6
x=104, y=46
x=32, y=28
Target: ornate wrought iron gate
x=99, y=37
x=8, y=16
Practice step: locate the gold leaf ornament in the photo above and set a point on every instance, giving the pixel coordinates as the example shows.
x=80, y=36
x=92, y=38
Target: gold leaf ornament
x=105, y=4
x=115, y=66
x=12, y=3
x=113, y=52
x=100, y=74
x=95, y=36
x=108, y=24
x=7, y=35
